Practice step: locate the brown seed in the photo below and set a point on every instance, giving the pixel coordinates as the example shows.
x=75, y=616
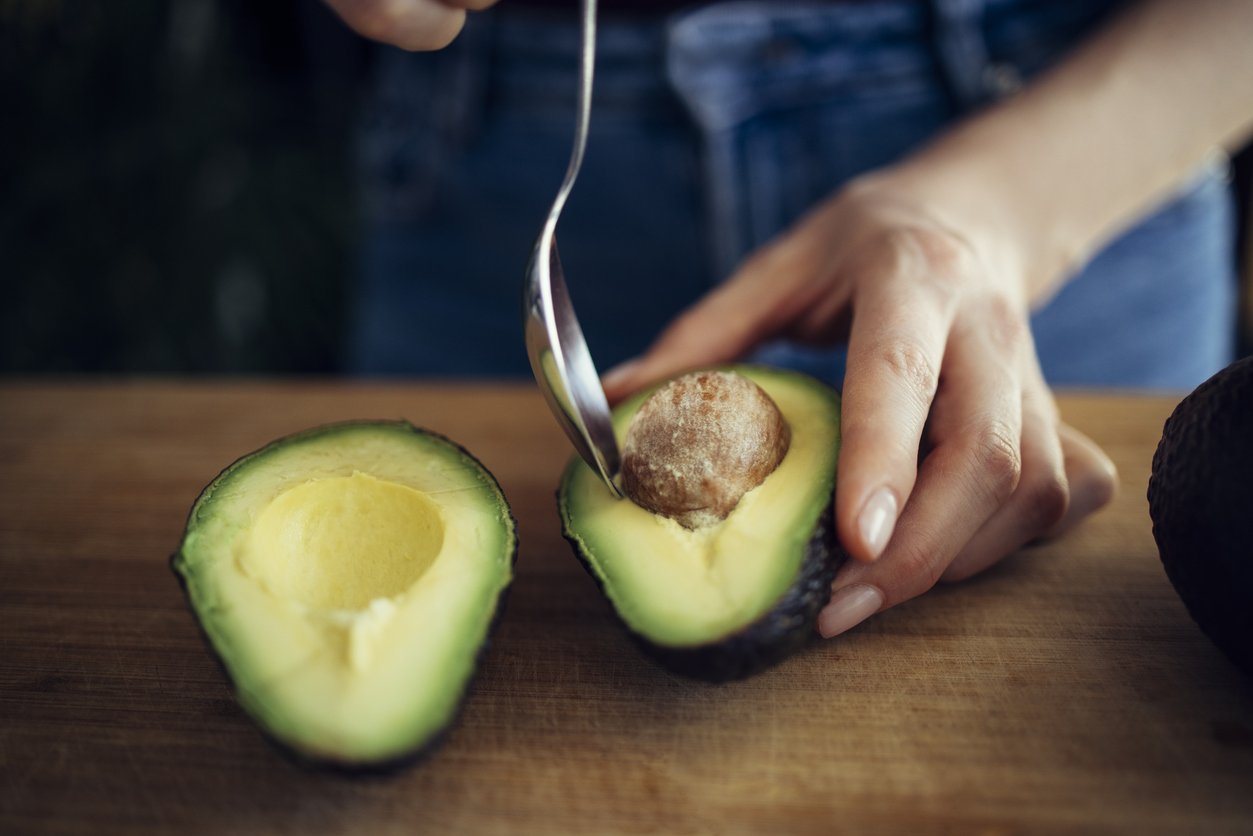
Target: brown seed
x=699, y=443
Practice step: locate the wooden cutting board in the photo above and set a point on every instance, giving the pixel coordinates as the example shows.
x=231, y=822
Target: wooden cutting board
x=1065, y=690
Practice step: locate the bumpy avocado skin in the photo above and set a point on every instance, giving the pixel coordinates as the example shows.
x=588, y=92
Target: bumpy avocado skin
x=327, y=762
x=1201, y=503
x=782, y=631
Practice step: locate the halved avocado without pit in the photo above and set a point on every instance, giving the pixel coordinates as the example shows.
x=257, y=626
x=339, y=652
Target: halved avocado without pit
x=731, y=599
x=347, y=578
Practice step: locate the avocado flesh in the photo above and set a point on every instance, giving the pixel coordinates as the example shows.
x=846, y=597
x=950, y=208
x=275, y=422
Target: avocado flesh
x=677, y=588
x=347, y=578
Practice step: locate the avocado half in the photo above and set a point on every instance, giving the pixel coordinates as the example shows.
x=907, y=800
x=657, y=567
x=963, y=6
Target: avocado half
x=1201, y=503
x=347, y=578
x=729, y=600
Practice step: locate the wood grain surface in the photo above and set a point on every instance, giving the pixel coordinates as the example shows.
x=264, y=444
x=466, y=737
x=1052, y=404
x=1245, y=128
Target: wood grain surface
x=1066, y=690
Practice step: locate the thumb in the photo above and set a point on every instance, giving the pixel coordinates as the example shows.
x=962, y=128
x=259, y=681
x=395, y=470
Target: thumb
x=750, y=307
x=700, y=337
x=714, y=330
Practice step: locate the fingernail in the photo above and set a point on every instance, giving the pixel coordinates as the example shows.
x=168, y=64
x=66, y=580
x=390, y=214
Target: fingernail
x=620, y=373
x=878, y=516
x=849, y=607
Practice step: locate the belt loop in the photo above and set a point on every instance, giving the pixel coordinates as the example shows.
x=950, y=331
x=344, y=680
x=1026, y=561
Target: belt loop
x=962, y=50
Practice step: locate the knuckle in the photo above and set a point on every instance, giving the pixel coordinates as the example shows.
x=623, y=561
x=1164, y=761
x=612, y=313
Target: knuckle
x=910, y=364
x=1006, y=322
x=919, y=570
x=895, y=254
x=925, y=572
x=1094, y=487
x=959, y=572
x=966, y=566
x=937, y=258
x=1045, y=499
x=997, y=458
x=945, y=253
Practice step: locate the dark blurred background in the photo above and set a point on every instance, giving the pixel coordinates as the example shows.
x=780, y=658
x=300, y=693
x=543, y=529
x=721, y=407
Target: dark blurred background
x=176, y=193
x=175, y=186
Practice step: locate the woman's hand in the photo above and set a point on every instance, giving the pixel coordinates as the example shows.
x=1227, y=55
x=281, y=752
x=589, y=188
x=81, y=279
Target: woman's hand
x=929, y=268
x=409, y=24
x=940, y=362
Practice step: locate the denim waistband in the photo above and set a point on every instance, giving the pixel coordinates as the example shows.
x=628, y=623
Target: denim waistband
x=716, y=65
x=535, y=59
x=534, y=53
x=728, y=60
x=747, y=49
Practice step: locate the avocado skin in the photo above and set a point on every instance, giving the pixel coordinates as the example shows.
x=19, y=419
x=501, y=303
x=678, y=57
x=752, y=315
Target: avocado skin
x=767, y=641
x=1201, y=502
x=327, y=762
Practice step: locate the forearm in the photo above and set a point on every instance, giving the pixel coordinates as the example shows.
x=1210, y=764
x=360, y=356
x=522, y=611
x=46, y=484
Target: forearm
x=1060, y=168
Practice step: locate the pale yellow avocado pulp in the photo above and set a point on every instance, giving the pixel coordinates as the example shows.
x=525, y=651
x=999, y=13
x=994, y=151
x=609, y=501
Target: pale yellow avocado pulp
x=338, y=544
x=347, y=578
x=680, y=587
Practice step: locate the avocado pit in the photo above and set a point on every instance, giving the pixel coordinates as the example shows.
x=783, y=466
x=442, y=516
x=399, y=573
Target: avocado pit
x=699, y=443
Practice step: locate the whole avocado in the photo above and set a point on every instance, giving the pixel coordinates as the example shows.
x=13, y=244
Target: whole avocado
x=1201, y=503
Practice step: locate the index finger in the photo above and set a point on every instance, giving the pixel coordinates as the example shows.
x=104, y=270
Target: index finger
x=901, y=321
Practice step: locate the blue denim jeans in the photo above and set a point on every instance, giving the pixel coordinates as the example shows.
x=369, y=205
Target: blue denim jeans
x=711, y=132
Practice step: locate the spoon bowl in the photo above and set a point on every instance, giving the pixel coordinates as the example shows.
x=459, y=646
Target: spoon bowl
x=560, y=360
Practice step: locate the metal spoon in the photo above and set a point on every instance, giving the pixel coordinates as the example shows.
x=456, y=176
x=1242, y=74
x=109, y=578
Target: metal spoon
x=554, y=341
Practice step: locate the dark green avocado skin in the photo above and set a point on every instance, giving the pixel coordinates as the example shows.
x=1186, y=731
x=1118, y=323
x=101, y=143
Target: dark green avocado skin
x=325, y=762
x=1201, y=503
x=782, y=631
